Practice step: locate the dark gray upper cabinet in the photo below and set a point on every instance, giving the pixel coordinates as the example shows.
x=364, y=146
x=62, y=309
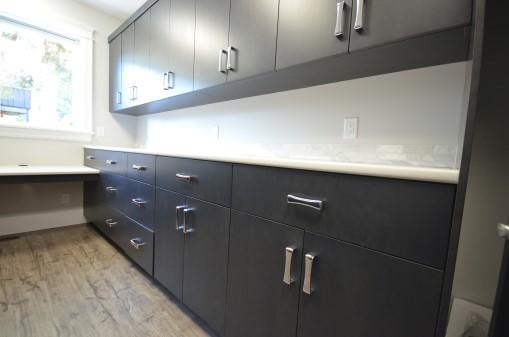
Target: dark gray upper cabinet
x=211, y=42
x=259, y=302
x=141, y=90
x=357, y=292
x=159, y=49
x=115, y=98
x=376, y=22
x=310, y=30
x=253, y=34
x=182, y=27
x=128, y=67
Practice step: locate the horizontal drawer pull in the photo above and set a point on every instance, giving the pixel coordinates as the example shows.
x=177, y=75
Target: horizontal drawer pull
x=111, y=223
x=139, y=167
x=139, y=202
x=90, y=157
x=306, y=202
x=111, y=189
x=137, y=243
x=185, y=177
x=111, y=162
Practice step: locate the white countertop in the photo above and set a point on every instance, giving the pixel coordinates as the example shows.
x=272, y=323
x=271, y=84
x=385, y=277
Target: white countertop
x=37, y=170
x=440, y=175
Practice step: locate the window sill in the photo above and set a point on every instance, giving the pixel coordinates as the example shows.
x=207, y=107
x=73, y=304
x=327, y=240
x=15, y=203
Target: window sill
x=34, y=132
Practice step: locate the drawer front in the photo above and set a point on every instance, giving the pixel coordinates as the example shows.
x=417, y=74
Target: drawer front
x=113, y=162
x=112, y=224
x=93, y=158
x=408, y=219
x=139, y=203
x=114, y=190
x=205, y=180
x=138, y=243
x=141, y=167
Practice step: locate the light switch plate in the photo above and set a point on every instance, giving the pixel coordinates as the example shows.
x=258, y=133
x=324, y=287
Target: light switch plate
x=351, y=128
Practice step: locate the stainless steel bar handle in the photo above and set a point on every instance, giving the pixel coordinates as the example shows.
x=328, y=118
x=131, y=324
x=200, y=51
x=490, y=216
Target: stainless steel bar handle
x=111, y=162
x=306, y=202
x=139, y=202
x=229, y=64
x=119, y=97
x=187, y=229
x=139, y=167
x=131, y=89
x=340, y=7
x=90, y=157
x=359, y=16
x=287, y=277
x=220, y=67
x=165, y=81
x=308, y=272
x=111, y=189
x=503, y=230
x=135, y=92
x=178, y=226
x=186, y=177
x=111, y=223
x=171, y=80
x=137, y=243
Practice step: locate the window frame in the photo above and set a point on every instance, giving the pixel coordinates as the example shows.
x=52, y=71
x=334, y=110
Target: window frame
x=81, y=133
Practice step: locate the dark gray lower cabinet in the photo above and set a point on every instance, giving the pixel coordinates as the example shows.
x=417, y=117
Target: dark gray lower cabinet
x=259, y=303
x=205, y=261
x=169, y=243
x=357, y=292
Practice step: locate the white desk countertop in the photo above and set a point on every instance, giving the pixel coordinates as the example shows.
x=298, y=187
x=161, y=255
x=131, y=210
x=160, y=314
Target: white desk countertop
x=440, y=175
x=37, y=170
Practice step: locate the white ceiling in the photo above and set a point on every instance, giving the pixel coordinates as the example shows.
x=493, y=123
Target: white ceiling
x=118, y=8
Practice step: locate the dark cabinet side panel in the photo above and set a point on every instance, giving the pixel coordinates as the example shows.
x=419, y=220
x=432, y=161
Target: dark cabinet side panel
x=259, y=304
x=307, y=30
x=360, y=293
x=253, y=34
x=169, y=243
x=205, y=262
x=115, y=90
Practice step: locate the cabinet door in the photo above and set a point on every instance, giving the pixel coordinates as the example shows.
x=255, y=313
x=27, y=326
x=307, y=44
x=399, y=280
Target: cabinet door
x=169, y=243
x=259, y=302
x=182, y=26
x=253, y=32
x=128, y=67
x=205, y=261
x=116, y=74
x=159, y=49
x=142, y=59
x=383, y=21
x=357, y=292
x=212, y=25
x=309, y=30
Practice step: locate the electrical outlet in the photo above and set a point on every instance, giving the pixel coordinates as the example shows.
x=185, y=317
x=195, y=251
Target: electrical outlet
x=350, y=128
x=66, y=198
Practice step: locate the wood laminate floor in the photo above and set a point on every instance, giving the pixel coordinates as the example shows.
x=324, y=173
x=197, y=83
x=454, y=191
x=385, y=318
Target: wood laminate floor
x=72, y=282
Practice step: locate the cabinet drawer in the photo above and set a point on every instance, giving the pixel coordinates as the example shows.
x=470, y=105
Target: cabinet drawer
x=139, y=202
x=206, y=180
x=114, y=190
x=408, y=219
x=114, y=162
x=111, y=224
x=141, y=167
x=92, y=158
x=138, y=243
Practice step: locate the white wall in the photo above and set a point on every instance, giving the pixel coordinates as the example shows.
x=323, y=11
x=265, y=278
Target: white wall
x=407, y=118
x=119, y=130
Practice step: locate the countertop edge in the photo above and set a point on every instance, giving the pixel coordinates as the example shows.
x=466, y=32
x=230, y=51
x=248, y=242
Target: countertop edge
x=437, y=175
x=40, y=170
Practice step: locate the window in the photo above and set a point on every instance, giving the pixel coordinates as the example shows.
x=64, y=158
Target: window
x=45, y=81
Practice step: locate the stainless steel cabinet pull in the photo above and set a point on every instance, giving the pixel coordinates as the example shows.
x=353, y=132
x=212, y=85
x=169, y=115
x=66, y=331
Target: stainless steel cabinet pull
x=186, y=177
x=306, y=202
x=134, y=93
x=90, y=157
x=139, y=202
x=186, y=226
x=220, y=67
x=119, y=97
x=178, y=226
x=503, y=230
x=111, y=162
x=308, y=265
x=359, y=16
x=231, y=65
x=171, y=80
x=111, y=223
x=287, y=277
x=340, y=7
x=111, y=189
x=137, y=243
x=165, y=81
x=139, y=167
